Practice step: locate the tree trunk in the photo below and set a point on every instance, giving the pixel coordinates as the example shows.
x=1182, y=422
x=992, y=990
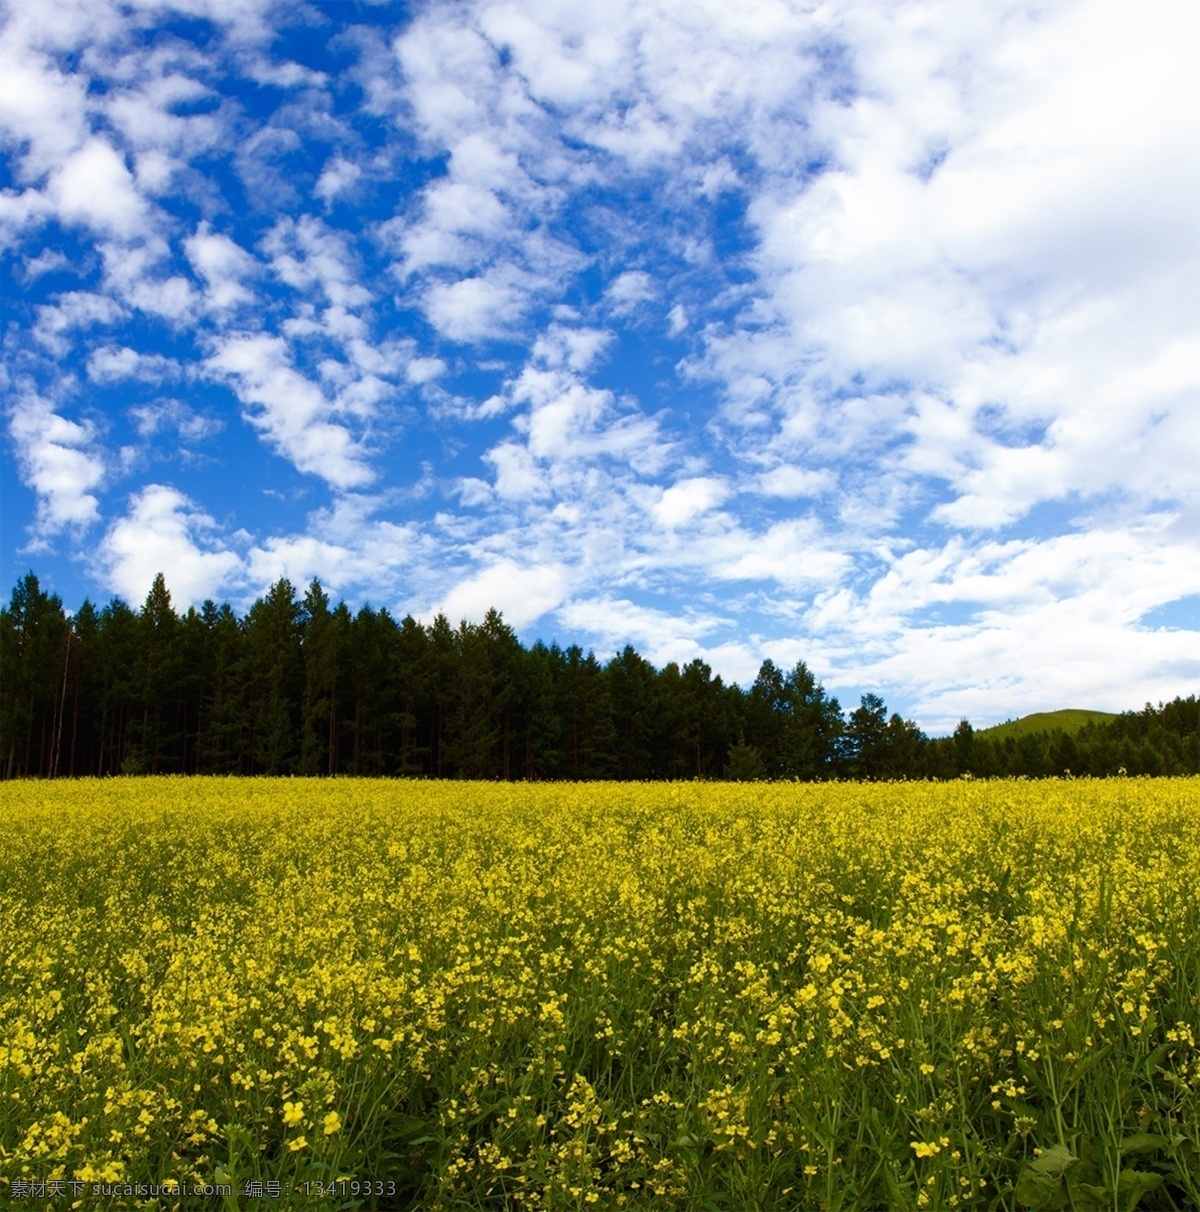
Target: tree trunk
x=74, y=726
x=62, y=710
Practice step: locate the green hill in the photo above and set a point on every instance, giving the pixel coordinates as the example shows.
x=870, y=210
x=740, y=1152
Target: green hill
x=1069, y=719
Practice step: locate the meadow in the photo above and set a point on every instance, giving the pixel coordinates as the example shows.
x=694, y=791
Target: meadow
x=389, y=994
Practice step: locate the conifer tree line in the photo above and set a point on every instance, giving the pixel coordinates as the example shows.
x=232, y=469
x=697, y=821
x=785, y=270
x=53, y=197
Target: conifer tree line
x=301, y=686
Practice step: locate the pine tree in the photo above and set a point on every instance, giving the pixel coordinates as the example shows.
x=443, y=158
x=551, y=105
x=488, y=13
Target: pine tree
x=225, y=738
x=34, y=652
x=631, y=693
x=324, y=643
x=276, y=678
x=812, y=726
x=152, y=737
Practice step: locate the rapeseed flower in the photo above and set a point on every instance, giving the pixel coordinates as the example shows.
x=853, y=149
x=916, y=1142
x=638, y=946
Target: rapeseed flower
x=625, y=996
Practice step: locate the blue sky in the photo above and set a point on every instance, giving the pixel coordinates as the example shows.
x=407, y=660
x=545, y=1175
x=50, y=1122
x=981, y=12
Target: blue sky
x=862, y=332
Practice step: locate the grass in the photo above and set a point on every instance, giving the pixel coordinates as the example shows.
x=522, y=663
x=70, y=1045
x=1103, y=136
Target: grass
x=1069, y=719
x=485, y=996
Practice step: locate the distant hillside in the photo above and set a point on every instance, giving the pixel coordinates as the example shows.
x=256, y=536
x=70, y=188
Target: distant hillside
x=1069, y=719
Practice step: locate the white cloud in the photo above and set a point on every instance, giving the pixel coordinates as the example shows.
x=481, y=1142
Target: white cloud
x=76, y=309
x=289, y=410
x=307, y=254
x=175, y=416
x=475, y=309
x=21, y=211
x=424, y=370
x=40, y=106
x=300, y=558
x=60, y=462
x=793, y=554
x=464, y=208
x=223, y=264
x=576, y=348
x=1033, y=624
x=338, y=177
x=629, y=289
x=791, y=482
x=987, y=242
x=172, y=298
x=47, y=261
x=522, y=593
x=115, y=363
x=163, y=531
x=346, y=547
x=566, y=423
x=93, y=186
x=517, y=476
x=686, y=499
x=144, y=108
x=472, y=491
x=660, y=635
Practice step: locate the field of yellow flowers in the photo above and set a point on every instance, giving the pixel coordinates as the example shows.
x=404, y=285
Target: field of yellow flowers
x=377, y=994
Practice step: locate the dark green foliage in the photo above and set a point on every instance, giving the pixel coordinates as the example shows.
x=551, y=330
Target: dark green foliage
x=275, y=676
x=300, y=686
x=1162, y=740
x=745, y=763
x=631, y=689
x=35, y=643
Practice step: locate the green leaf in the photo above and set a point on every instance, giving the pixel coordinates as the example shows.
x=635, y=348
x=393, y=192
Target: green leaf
x=896, y=1193
x=1056, y=1160
x=1040, y=1190
x=1041, y=1184
x=1037, y=1190
x=1143, y=1142
x=1156, y=1057
x=1091, y=1195
x=1089, y=1061
x=1133, y=1184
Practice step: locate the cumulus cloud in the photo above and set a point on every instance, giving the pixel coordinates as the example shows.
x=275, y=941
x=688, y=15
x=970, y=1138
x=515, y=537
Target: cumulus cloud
x=163, y=531
x=41, y=106
x=790, y=482
x=47, y=261
x=476, y=309
x=424, y=370
x=74, y=310
x=565, y=422
x=629, y=289
x=522, y=593
x=517, y=475
x=114, y=363
x=95, y=187
x=223, y=264
x=684, y=500
x=289, y=410
x=661, y=635
x=975, y=245
x=794, y=554
x=173, y=416
x=348, y=548
x=310, y=256
x=338, y=177
x=60, y=462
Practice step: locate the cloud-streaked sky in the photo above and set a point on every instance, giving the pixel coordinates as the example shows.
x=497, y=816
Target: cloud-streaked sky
x=863, y=332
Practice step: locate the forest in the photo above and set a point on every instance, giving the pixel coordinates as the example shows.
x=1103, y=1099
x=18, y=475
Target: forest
x=299, y=686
